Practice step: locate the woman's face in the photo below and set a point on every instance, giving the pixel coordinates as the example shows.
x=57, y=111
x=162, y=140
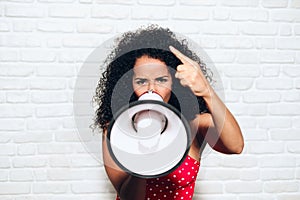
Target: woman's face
x=151, y=74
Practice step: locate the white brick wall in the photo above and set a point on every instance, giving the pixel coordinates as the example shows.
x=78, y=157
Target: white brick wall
x=254, y=44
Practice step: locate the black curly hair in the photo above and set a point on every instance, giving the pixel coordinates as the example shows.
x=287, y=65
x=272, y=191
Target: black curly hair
x=152, y=41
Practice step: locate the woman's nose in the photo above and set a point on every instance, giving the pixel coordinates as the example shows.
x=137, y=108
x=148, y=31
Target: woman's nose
x=151, y=86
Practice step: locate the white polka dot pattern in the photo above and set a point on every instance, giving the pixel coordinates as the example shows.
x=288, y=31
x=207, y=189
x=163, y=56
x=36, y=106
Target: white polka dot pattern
x=177, y=185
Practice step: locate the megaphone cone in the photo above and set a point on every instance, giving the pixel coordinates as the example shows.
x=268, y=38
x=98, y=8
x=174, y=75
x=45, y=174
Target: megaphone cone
x=148, y=138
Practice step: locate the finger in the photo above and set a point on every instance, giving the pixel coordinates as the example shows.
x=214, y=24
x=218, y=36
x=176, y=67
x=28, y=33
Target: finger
x=184, y=59
x=181, y=68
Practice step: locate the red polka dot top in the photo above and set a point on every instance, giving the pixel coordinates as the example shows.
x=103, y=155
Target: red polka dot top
x=179, y=184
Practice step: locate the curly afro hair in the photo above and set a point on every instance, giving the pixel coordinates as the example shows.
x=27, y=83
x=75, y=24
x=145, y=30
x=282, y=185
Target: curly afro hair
x=152, y=41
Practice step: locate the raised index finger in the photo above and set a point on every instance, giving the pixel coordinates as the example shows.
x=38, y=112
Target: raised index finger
x=184, y=59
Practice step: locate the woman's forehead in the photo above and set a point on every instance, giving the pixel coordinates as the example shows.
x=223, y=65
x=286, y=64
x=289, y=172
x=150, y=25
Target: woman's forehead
x=151, y=70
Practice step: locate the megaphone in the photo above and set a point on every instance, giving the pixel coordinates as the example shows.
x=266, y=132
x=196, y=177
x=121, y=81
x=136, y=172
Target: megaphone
x=148, y=138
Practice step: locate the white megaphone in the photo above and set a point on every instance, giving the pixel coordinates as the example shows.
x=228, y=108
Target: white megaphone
x=148, y=138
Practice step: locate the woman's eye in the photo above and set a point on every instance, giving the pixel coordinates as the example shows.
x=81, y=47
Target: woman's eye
x=141, y=82
x=162, y=80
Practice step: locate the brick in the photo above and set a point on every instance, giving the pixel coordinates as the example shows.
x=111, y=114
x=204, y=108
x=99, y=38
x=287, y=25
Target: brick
x=7, y=149
x=285, y=15
x=248, y=57
x=150, y=13
x=23, y=26
x=239, y=187
x=20, y=175
x=220, y=28
x=288, y=43
x=250, y=175
x=43, y=124
x=50, y=188
x=20, y=41
x=33, y=137
x=209, y=187
x=275, y=122
x=55, y=148
x=68, y=11
x=277, y=174
x=54, y=111
x=267, y=161
x=297, y=30
x=12, y=124
x=94, y=27
x=56, y=1
x=47, y=84
x=286, y=196
x=5, y=26
x=236, y=43
x=281, y=187
x=293, y=147
x=40, y=174
x=271, y=70
x=111, y=12
x=243, y=71
x=76, y=42
x=59, y=161
x=219, y=174
x=274, y=4
x=237, y=161
x=14, y=188
x=64, y=174
x=265, y=147
x=187, y=13
x=25, y=11
x=84, y=161
x=221, y=56
x=295, y=4
x=259, y=29
x=291, y=70
x=296, y=122
x=62, y=70
x=3, y=175
x=285, y=134
x=255, y=134
x=5, y=162
x=265, y=43
x=10, y=110
x=55, y=26
x=289, y=109
x=66, y=136
x=8, y=55
x=249, y=15
x=38, y=56
x=88, y=187
x=157, y=2
x=198, y=2
x=274, y=83
x=86, y=1
x=29, y=161
x=220, y=14
x=242, y=3
x=26, y=149
x=17, y=97
x=291, y=96
x=49, y=97
x=285, y=30
x=277, y=57
x=125, y=2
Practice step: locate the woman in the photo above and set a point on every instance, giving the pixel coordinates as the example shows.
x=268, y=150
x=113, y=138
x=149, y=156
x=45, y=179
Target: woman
x=143, y=58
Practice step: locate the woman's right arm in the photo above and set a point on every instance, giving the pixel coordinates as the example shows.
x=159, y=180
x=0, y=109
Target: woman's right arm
x=127, y=186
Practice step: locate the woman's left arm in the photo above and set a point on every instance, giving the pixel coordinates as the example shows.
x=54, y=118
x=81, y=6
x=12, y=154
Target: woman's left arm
x=223, y=132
